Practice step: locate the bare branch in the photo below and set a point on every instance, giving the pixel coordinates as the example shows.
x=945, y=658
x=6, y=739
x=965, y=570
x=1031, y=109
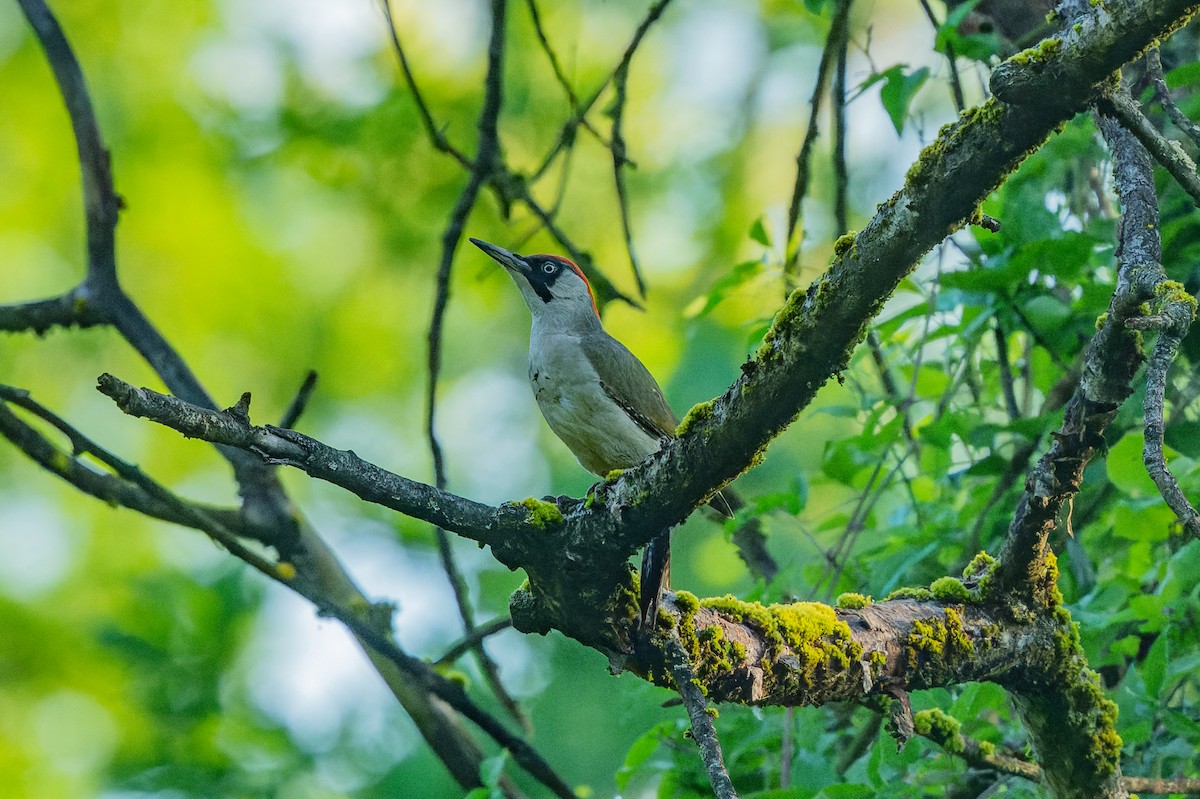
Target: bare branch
x=536, y=18
x=956, y=91
x=1163, y=95
x=340, y=467
x=839, y=30
x=703, y=731
x=481, y=631
x=300, y=401
x=38, y=316
x=487, y=161
x=945, y=731
x=617, y=145
x=101, y=203
x=1158, y=369
x=1168, y=154
x=436, y=136
x=110, y=488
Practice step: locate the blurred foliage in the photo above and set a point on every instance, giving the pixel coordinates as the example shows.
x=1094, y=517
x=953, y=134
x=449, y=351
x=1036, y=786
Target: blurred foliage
x=284, y=213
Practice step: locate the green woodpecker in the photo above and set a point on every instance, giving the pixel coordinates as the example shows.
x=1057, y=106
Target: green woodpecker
x=595, y=394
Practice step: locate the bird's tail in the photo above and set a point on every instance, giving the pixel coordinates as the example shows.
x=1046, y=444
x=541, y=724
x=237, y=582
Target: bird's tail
x=656, y=575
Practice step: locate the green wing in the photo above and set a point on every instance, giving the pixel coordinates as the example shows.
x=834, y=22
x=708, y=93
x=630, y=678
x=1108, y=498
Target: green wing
x=629, y=384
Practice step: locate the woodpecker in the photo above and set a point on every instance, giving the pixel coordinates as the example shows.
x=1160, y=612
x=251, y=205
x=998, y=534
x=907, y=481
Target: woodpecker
x=594, y=393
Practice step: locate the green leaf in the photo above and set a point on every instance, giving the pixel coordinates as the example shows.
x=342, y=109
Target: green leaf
x=1184, y=437
x=728, y=283
x=1064, y=257
x=1141, y=522
x=847, y=792
x=758, y=232
x=640, y=752
x=899, y=88
x=1125, y=467
x=1046, y=313
x=492, y=769
x=978, y=46
x=1186, y=75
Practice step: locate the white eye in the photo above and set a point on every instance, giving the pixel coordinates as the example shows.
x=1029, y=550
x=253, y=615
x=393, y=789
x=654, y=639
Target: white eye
x=549, y=267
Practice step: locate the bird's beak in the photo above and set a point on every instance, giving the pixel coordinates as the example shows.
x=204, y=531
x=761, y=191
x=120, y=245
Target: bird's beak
x=509, y=260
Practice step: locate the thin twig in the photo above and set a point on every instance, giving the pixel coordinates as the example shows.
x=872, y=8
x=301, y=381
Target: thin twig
x=956, y=91
x=470, y=642
x=436, y=136
x=535, y=17
x=109, y=488
x=567, y=136
x=1168, y=154
x=839, y=29
x=101, y=202
x=620, y=82
x=1163, y=94
x=192, y=515
x=1157, y=373
x=213, y=525
x=300, y=401
x=619, y=161
x=841, y=183
x=976, y=755
x=486, y=161
x=1006, y=375
x=703, y=731
x=38, y=316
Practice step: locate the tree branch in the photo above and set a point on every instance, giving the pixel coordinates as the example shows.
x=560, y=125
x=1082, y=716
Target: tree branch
x=703, y=731
x=1169, y=155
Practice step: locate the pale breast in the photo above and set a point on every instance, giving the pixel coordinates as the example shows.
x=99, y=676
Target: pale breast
x=568, y=392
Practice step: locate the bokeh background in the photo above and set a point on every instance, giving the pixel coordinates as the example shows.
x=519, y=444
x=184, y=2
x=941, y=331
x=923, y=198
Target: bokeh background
x=284, y=213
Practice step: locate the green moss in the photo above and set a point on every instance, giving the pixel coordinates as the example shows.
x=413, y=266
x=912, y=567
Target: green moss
x=852, y=601
x=786, y=319
x=1101, y=321
x=542, y=514
x=801, y=622
x=712, y=711
x=752, y=614
x=701, y=411
x=613, y=476
x=1043, y=583
x=1172, y=291
x=979, y=573
x=938, y=645
x=942, y=729
x=820, y=644
x=457, y=676
x=716, y=655
x=846, y=245
x=919, y=594
x=948, y=589
x=1077, y=700
x=982, y=562
x=987, y=748
x=686, y=602
x=1043, y=52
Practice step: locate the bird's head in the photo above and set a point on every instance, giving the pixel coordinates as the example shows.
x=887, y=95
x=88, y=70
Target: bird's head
x=554, y=287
